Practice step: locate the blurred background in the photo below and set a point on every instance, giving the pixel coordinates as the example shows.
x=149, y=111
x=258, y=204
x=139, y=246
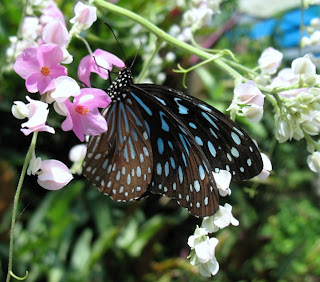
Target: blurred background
x=77, y=234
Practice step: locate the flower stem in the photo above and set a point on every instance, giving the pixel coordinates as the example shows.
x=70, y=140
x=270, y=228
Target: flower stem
x=166, y=37
x=15, y=204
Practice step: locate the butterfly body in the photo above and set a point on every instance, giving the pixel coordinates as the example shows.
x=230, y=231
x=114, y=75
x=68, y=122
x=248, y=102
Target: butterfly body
x=162, y=141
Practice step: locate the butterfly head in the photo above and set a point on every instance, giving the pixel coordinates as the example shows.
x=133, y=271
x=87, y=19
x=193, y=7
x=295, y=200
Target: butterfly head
x=123, y=80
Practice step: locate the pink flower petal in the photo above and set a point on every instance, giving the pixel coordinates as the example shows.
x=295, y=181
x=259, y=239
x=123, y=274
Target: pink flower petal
x=55, y=32
x=27, y=63
x=49, y=55
x=55, y=175
x=84, y=70
x=110, y=58
x=32, y=82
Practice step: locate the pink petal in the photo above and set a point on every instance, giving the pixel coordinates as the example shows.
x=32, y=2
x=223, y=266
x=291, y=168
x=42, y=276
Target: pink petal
x=55, y=175
x=32, y=82
x=49, y=55
x=51, y=12
x=45, y=83
x=78, y=127
x=43, y=128
x=58, y=70
x=100, y=98
x=55, y=32
x=94, y=123
x=110, y=58
x=84, y=70
x=27, y=63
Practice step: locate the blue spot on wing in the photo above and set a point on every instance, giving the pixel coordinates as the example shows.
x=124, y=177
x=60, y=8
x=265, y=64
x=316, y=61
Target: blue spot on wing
x=142, y=104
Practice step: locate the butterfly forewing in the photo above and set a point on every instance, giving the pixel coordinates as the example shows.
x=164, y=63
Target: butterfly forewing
x=120, y=161
x=223, y=142
x=180, y=169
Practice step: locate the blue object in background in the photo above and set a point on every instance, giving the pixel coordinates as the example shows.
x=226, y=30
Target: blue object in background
x=285, y=29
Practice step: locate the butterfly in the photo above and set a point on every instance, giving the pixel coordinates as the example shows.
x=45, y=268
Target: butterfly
x=162, y=141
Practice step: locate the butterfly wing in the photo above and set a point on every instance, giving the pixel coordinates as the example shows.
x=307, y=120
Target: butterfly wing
x=180, y=168
x=119, y=162
x=222, y=141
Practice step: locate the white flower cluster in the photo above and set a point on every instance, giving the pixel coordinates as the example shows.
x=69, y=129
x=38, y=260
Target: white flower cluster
x=202, y=246
x=198, y=14
x=299, y=112
x=313, y=31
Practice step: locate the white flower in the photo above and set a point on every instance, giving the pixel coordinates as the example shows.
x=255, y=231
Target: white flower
x=253, y=113
x=221, y=219
x=303, y=66
x=37, y=117
x=77, y=155
x=223, y=179
x=203, y=252
x=199, y=236
x=270, y=60
x=34, y=165
x=203, y=256
x=65, y=88
x=267, y=167
x=314, y=161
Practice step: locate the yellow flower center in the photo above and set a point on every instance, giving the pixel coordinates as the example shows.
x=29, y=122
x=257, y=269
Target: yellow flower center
x=45, y=71
x=82, y=110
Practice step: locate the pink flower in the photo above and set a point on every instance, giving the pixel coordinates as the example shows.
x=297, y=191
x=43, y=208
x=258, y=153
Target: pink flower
x=105, y=61
x=55, y=32
x=249, y=94
x=54, y=175
x=39, y=67
x=50, y=13
x=270, y=60
x=85, y=15
x=83, y=116
x=38, y=113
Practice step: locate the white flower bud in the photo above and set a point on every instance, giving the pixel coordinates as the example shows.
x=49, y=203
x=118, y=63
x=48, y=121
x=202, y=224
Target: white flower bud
x=314, y=162
x=303, y=66
x=20, y=110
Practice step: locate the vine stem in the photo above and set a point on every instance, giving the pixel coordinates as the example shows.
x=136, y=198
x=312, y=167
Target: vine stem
x=15, y=204
x=166, y=37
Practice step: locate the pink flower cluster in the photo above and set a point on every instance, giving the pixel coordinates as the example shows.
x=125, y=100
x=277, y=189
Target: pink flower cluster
x=41, y=68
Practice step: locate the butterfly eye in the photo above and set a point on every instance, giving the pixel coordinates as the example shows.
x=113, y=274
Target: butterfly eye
x=163, y=141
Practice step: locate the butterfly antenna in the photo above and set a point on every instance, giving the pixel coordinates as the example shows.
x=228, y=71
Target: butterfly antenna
x=116, y=40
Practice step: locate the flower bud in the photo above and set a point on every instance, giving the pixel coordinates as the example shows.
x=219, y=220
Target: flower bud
x=20, y=110
x=314, y=161
x=303, y=66
x=54, y=175
x=270, y=60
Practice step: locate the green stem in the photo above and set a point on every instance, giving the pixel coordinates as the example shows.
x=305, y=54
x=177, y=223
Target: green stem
x=301, y=27
x=166, y=37
x=16, y=200
x=148, y=62
x=310, y=139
